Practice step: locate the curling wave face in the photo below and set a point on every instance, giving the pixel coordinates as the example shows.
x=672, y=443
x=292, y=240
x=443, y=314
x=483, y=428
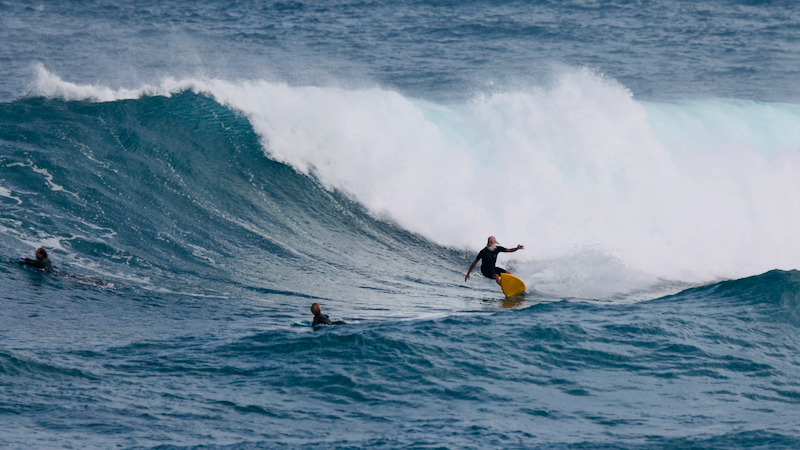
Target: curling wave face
x=175, y=195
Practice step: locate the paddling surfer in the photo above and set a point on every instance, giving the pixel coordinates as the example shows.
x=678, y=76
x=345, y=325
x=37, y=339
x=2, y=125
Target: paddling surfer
x=489, y=258
x=41, y=261
x=322, y=319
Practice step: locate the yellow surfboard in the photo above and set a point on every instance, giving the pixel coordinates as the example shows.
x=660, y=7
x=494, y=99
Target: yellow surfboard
x=511, y=285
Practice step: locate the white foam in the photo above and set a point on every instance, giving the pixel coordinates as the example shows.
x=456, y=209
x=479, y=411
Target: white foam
x=50, y=85
x=687, y=191
x=7, y=193
x=47, y=176
x=42, y=240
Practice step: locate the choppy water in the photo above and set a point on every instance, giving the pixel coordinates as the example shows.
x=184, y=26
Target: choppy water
x=220, y=166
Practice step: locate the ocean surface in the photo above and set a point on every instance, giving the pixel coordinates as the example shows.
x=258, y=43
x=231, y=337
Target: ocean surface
x=202, y=172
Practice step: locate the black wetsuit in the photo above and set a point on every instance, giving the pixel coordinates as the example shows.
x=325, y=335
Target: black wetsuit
x=488, y=259
x=38, y=263
x=322, y=319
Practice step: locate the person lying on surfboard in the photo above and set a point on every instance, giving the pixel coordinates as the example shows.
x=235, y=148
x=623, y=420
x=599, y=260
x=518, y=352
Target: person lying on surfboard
x=322, y=319
x=489, y=257
x=41, y=261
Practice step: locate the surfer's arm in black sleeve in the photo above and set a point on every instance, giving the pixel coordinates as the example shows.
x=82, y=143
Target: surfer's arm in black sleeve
x=28, y=262
x=512, y=250
x=474, y=263
x=38, y=263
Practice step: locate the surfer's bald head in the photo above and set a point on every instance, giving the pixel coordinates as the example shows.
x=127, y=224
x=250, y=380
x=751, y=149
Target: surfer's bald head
x=491, y=240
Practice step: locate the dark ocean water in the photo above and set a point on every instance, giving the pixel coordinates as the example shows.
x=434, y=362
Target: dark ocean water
x=202, y=172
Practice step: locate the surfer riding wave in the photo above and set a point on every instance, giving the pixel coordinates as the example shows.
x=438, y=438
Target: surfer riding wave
x=489, y=258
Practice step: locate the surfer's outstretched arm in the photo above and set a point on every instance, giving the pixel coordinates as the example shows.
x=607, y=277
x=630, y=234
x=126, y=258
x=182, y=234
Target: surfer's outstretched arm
x=512, y=250
x=474, y=263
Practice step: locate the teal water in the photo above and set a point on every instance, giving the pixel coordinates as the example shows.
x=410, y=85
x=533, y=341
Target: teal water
x=201, y=174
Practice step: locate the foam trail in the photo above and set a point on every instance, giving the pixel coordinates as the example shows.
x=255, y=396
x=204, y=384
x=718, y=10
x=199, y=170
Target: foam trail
x=689, y=191
x=7, y=193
